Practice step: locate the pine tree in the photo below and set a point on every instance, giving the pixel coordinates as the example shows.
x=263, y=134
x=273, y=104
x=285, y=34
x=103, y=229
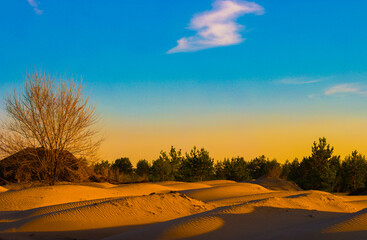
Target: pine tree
x=319, y=171
x=354, y=170
x=197, y=165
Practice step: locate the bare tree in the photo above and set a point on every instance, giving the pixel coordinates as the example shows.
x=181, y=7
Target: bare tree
x=53, y=115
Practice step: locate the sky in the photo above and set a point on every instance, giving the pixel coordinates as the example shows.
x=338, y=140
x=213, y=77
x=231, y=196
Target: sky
x=239, y=78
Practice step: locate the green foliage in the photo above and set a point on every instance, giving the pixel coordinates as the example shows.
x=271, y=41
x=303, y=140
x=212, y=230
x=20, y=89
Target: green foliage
x=161, y=168
x=257, y=167
x=291, y=170
x=197, y=165
x=262, y=166
x=219, y=170
x=142, y=168
x=336, y=167
x=320, y=170
x=167, y=166
x=286, y=169
x=236, y=169
x=175, y=159
x=354, y=172
x=123, y=165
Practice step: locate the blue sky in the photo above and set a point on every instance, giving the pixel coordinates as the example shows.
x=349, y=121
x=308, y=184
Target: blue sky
x=299, y=58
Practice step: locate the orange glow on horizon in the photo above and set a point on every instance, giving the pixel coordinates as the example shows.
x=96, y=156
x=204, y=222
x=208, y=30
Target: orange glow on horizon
x=275, y=137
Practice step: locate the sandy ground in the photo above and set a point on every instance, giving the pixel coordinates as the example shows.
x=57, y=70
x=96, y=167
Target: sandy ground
x=178, y=210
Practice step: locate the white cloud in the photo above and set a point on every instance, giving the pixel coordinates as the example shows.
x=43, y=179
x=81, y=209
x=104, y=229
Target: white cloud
x=350, y=88
x=300, y=80
x=217, y=27
x=34, y=4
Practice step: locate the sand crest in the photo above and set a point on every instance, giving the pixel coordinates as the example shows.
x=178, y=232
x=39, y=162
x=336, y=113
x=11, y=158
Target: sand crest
x=228, y=190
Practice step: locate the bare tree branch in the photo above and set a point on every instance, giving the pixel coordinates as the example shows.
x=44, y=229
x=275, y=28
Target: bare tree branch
x=51, y=115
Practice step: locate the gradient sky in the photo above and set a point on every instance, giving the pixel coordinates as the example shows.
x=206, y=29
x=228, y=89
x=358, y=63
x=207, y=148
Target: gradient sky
x=235, y=77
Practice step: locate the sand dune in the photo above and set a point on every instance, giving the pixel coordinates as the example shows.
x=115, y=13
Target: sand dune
x=277, y=184
x=193, y=227
x=215, y=183
x=311, y=200
x=52, y=195
x=271, y=218
x=110, y=213
x=205, y=210
x=354, y=223
x=140, y=189
x=179, y=186
x=228, y=190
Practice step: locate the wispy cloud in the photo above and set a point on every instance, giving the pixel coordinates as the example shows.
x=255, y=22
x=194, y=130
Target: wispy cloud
x=217, y=27
x=346, y=88
x=300, y=80
x=34, y=4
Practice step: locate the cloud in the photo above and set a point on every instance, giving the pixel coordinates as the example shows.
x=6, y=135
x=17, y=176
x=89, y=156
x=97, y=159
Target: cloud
x=350, y=88
x=217, y=27
x=300, y=80
x=34, y=4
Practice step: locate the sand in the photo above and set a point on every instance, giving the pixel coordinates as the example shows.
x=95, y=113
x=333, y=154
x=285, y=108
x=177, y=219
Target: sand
x=177, y=210
x=226, y=191
x=45, y=196
x=277, y=184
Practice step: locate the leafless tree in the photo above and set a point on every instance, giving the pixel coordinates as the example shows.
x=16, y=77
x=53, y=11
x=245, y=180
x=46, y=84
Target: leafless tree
x=51, y=114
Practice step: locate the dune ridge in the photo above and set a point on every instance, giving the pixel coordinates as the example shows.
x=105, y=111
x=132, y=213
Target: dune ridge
x=228, y=190
x=110, y=213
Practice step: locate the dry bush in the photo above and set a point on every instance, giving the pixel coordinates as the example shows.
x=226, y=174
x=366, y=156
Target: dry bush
x=52, y=115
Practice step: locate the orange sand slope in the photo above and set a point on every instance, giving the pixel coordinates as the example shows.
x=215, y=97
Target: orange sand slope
x=177, y=210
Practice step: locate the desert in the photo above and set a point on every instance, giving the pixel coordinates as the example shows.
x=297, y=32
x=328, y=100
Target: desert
x=219, y=209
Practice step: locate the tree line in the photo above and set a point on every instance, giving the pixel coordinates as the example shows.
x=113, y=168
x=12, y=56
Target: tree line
x=320, y=171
